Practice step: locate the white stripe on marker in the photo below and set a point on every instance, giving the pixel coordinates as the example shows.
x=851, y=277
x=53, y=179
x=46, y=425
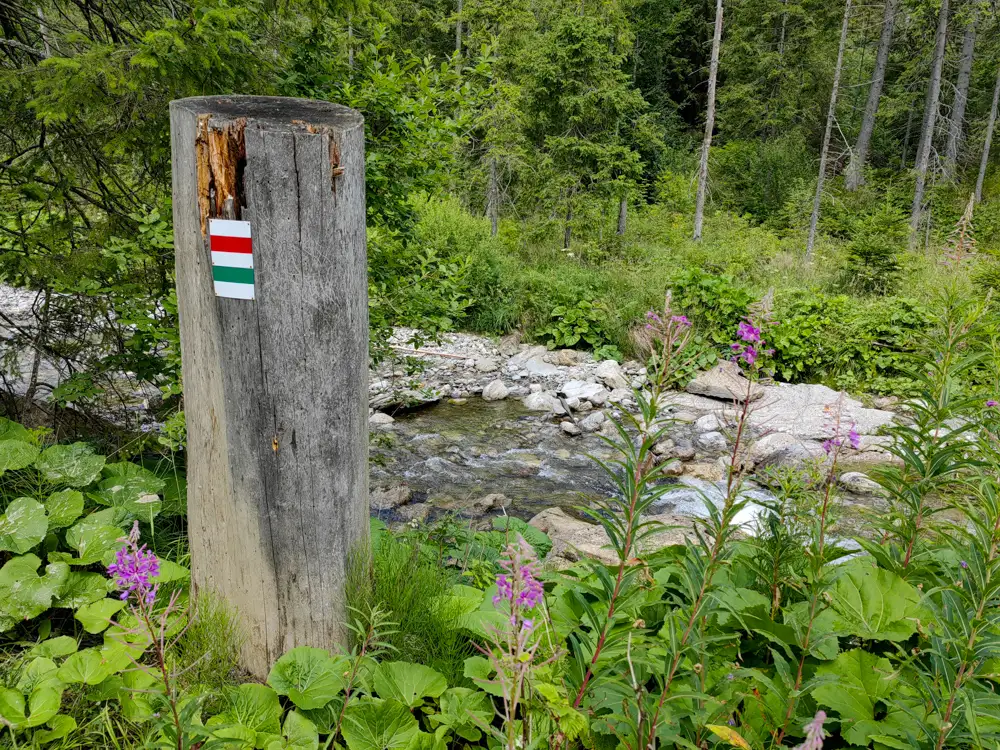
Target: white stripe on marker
x=234, y=260
x=229, y=228
x=233, y=290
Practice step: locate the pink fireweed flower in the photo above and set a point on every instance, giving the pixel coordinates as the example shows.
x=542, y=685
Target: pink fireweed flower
x=681, y=320
x=748, y=332
x=134, y=568
x=518, y=585
x=854, y=438
x=992, y=403
x=814, y=733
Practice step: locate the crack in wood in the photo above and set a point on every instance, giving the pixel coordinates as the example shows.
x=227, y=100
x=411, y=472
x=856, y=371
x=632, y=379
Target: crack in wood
x=221, y=158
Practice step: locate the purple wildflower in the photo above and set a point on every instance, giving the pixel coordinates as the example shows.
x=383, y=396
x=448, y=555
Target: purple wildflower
x=653, y=316
x=681, y=320
x=964, y=564
x=992, y=403
x=748, y=332
x=518, y=585
x=749, y=355
x=133, y=569
x=854, y=438
x=814, y=733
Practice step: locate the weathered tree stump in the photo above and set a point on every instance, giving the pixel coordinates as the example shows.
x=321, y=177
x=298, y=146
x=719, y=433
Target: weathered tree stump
x=273, y=306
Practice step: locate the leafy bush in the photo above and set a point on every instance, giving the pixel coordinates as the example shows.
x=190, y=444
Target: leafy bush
x=757, y=177
x=715, y=303
x=584, y=323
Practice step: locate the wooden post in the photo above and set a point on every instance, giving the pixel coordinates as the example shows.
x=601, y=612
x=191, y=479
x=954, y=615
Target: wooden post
x=275, y=387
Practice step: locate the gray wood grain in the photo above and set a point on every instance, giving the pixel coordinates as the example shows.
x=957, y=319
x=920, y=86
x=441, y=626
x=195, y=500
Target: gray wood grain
x=276, y=388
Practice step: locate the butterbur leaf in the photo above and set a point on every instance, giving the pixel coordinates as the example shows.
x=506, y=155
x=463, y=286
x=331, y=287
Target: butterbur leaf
x=728, y=734
x=73, y=465
x=16, y=454
x=53, y=648
x=23, y=593
x=96, y=616
x=81, y=589
x=87, y=667
x=135, y=497
x=298, y=734
x=255, y=707
x=464, y=711
x=171, y=571
x=537, y=538
x=96, y=538
x=59, y=727
x=64, y=508
x=408, y=683
x=857, y=681
x=310, y=677
x=12, y=707
x=13, y=431
x=424, y=741
x=23, y=526
x=382, y=725
x=876, y=604
x=43, y=704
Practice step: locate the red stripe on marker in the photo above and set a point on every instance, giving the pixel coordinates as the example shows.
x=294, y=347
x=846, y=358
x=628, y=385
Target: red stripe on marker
x=222, y=244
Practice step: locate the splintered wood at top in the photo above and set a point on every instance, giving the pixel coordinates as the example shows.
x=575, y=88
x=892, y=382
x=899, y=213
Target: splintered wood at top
x=220, y=154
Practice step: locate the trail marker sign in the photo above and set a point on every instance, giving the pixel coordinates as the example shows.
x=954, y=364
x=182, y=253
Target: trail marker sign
x=232, y=258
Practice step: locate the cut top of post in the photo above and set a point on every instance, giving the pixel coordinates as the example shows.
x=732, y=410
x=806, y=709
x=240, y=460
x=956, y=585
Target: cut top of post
x=274, y=112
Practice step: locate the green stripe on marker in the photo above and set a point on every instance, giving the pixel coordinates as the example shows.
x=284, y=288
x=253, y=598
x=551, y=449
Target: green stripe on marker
x=235, y=275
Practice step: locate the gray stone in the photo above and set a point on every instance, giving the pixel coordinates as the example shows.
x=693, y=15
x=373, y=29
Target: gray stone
x=674, y=468
x=487, y=364
x=610, y=372
x=387, y=498
x=712, y=441
x=535, y=388
x=495, y=391
x=620, y=395
x=808, y=411
x=570, y=428
x=380, y=419
x=684, y=452
x=509, y=344
x=600, y=398
x=494, y=501
x=724, y=381
x=582, y=389
x=709, y=471
x=414, y=514
x=584, y=407
x=782, y=448
x=542, y=401
x=707, y=423
x=538, y=366
x=592, y=422
x=572, y=403
x=566, y=357
x=531, y=352
x=664, y=447
x=860, y=483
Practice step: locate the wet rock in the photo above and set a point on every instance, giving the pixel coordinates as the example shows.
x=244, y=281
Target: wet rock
x=415, y=514
x=582, y=390
x=712, y=441
x=387, y=498
x=380, y=419
x=487, y=364
x=493, y=501
x=458, y=401
x=781, y=448
x=610, y=372
x=860, y=484
x=570, y=428
x=495, y=390
x=724, y=381
x=592, y=422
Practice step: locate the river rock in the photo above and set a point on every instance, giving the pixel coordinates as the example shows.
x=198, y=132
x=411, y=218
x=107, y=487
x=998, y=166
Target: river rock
x=570, y=428
x=621, y=396
x=542, y=401
x=581, y=389
x=600, y=398
x=566, y=357
x=535, y=388
x=573, y=539
x=380, y=419
x=707, y=423
x=531, y=352
x=493, y=501
x=538, y=366
x=860, y=483
x=495, y=390
x=781, y=448
x=610, y=372
x=584, y=407
x=487, y=364
x=664, y=447
x=674, y=468
x=592, y=422
x=712, y=441
x=710, y=471
x=509, y=344
x=808, y=411
x=724, y=381
x=387, y=498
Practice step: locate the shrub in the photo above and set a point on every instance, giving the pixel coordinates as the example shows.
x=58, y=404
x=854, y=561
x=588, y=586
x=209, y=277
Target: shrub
x=758, y=177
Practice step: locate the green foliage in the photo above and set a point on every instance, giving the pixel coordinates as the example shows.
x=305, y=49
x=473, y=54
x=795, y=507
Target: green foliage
x=581, y=325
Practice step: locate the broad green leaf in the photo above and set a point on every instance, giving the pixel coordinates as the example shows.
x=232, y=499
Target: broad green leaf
x=96, y=538
x=64, y=508
x=16, y=454
x=408, y=683
x=87, y=667
x=310, y=677
x=81, y=589
x=823, y=642
x=876, y=604
x=12, y=707
x=136, y=694
x=537, y=538
x=378, y=725
x=135, y=496
x=464, y=711
x=171, y=571
x=424, y=741
x=23, y=526
x=480, y=671
x=59, y=727
x=734, y=600
x=23, y=593
x=74, y=465
x=43, y=704
x=96, y=616
x=53, y=648
x=255, y=707
x=858, y=681
x=299, y=734
x=13, y=431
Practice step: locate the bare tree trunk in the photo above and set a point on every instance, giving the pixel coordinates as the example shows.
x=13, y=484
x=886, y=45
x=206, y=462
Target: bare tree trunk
x=38, y=346
x=568, y=230
x=350, y=42
x=706, y=144
x=43, y=30
x=622, y=214
x=990, y=125
x=458, y=30
x=831, y=115
x=906, y=138
x=493, y=199
x=961, y=98
x=930, y=120
x=856, y=168
x=784, y=26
